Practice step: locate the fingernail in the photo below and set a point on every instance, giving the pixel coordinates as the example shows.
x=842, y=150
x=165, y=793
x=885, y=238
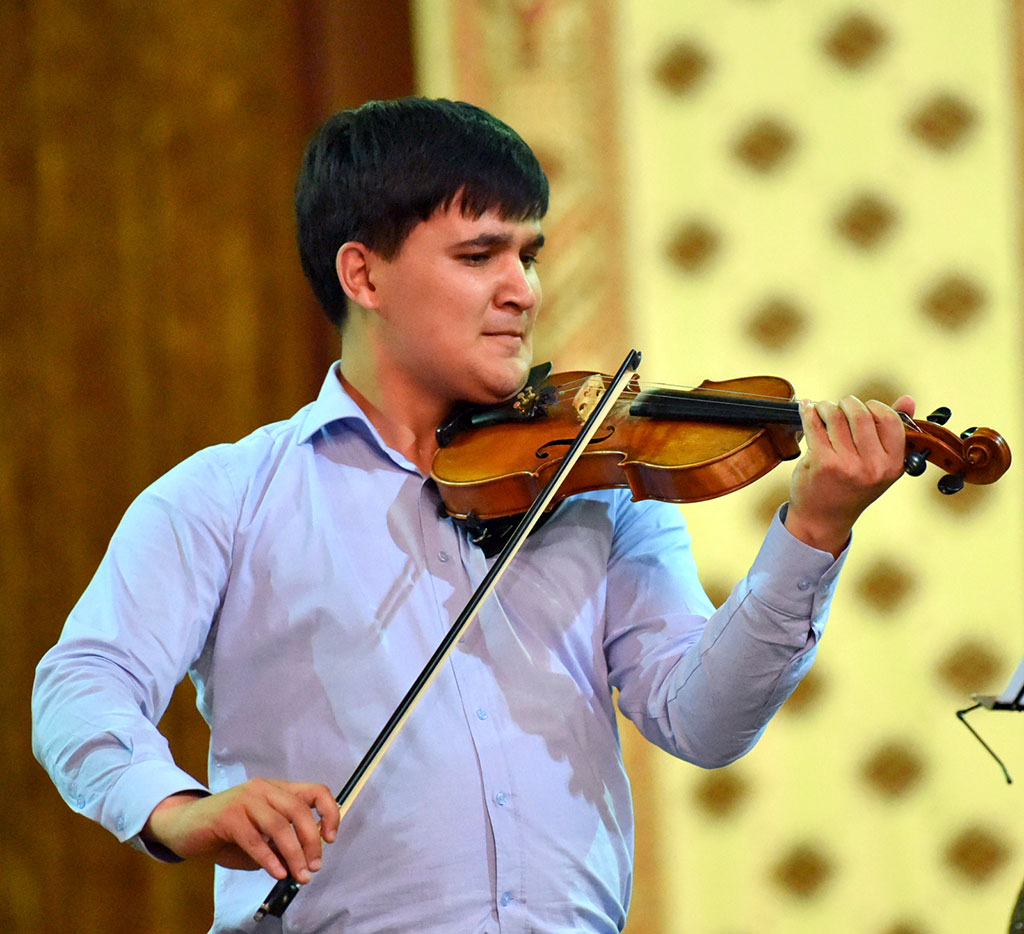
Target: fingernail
x=314, y=864
x=304, y=876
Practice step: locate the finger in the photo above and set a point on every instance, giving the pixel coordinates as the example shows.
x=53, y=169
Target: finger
x=860, y=422
x=890, y=428
x=837, y=427
x=279, y=835
x=318, y=797
x=905, y=404
x=878, y=432
x=327, y=807
x=254, y=843
x=815, y=432
x=296, y=833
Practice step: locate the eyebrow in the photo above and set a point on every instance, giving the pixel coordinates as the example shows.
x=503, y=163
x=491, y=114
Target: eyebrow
x=492, y=240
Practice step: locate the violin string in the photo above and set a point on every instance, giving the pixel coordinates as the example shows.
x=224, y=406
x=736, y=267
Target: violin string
x=725, y=396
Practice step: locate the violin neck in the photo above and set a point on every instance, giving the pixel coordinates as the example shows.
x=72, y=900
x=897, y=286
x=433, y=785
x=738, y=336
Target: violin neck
x=710, y=406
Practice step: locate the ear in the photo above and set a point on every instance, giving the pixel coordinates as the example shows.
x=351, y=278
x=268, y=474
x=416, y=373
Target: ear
x=354, y=264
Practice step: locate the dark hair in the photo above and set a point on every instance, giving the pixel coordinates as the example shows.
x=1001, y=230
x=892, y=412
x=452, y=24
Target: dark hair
x=371, y=174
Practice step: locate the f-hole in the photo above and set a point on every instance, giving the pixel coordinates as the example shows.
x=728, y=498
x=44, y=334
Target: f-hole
x=544, y=452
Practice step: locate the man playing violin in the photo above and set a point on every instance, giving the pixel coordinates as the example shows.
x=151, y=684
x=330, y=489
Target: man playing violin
x=303, y=575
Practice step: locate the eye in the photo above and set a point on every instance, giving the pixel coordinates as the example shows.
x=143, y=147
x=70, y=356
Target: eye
x=475, y=259
x=529, y=260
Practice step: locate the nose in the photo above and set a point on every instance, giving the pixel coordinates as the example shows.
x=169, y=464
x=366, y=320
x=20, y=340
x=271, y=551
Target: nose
x=519, y=289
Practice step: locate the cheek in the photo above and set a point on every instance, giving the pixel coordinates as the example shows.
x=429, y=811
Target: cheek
x=538, y=292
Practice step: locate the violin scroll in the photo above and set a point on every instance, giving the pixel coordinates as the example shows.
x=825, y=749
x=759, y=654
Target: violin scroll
x=978, y=455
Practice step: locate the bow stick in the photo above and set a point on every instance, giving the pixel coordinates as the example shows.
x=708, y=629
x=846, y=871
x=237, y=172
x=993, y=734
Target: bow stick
x=282, y=894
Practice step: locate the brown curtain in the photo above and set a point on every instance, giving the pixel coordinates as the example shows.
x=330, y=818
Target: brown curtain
x=151, y=303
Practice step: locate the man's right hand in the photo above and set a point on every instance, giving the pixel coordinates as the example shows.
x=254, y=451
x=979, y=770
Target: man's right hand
x=260, y=823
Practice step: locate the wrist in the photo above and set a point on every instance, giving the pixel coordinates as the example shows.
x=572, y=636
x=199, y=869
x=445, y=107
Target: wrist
x=157, y=830
x=824, y=536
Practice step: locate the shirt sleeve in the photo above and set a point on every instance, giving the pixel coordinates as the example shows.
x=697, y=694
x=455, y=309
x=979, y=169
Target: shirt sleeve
x=130, y=639
x=698, y=682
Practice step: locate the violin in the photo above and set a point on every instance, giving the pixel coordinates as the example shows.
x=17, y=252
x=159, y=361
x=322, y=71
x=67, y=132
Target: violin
x=677, y=445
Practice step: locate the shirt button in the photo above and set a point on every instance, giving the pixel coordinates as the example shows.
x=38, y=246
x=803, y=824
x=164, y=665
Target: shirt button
x=804, y=584
x=443, y=556
x=501, y=798
x=481, y=714
x=120, y=823
x=505, y=899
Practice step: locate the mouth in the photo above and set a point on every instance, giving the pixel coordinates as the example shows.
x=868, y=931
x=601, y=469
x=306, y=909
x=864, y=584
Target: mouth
x=507, y=335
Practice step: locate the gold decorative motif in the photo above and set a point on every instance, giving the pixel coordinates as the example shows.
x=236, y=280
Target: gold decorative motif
x=855, y=40
x=893, y=769
x=866, y=221
x=552, y=162
x=885, y=585
x=803, y=871
x=682, y=68
x=776, y=324
x=693, y=246
x=977, y=853
x=722, y=792
x=953, y=302
x=904, y=927
x=880, y=388
x=808, y=694
x=764, y=144
x=942, y=122
x=970, y=667
x=773, y=493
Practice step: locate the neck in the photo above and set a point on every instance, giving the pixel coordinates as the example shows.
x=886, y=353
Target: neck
x=406, y=418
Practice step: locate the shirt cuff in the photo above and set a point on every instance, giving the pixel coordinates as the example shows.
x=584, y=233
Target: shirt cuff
x=134, y=796
x=792, y=577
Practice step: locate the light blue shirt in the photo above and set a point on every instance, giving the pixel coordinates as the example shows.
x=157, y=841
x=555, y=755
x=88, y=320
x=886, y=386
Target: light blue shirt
x=302, y=577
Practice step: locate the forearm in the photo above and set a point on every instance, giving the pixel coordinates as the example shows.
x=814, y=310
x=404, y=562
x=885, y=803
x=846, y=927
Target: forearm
x=92, y=735
x=709, y=699
x=733, y=683
x=142, y=621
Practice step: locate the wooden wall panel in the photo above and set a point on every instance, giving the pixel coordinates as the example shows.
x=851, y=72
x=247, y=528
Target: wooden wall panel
x=151, y=303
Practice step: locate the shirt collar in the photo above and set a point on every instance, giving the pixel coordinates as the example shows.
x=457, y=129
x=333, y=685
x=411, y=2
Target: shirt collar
x=333, y=404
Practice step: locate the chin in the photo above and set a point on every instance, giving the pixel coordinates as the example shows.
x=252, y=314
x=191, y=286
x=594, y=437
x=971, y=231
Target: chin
x=503, y=380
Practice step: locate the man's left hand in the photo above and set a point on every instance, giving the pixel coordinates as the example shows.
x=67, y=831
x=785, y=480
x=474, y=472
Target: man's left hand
x=855, y=452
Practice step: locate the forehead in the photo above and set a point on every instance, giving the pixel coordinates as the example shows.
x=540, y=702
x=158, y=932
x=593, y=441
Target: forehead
x=451, y=227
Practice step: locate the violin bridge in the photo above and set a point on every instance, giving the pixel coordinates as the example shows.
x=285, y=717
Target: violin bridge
x=587, y=396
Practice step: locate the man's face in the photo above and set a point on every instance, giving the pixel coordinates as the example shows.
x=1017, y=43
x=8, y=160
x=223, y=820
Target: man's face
x=458, y=305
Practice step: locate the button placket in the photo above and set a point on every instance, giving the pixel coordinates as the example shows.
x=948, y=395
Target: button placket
x=463, y=565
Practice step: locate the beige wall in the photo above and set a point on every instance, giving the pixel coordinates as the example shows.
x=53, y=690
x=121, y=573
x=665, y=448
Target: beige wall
x=835, y=200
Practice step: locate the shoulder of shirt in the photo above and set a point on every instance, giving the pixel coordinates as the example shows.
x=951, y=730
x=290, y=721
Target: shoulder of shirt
x=273, y=443
x=223, y=472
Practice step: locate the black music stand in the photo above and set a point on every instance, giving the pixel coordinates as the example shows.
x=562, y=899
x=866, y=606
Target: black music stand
x=1012, y=698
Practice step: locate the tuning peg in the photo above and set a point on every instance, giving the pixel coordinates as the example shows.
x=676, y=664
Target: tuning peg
x=967, y=432
x=951, y=483
x=915, y=463
x=940, y=416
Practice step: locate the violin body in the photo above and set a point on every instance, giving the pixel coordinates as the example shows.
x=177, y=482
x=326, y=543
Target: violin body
x=499, y=470
x=680, y=446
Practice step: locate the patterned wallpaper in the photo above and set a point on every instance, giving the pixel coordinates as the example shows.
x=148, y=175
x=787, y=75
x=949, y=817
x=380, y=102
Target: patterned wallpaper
x=827, y=192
